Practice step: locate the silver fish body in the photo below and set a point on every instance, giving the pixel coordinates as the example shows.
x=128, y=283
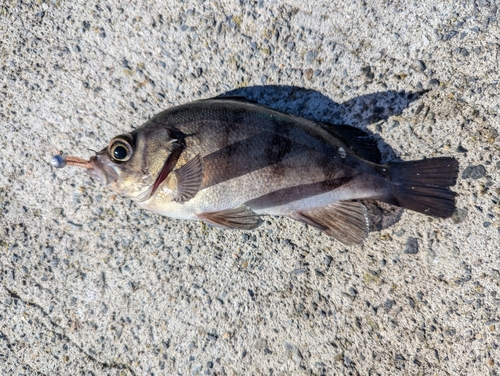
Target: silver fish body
x=227, y=162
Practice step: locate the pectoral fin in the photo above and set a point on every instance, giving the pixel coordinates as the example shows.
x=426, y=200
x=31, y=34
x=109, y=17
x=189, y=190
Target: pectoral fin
x=189, y=178
x=242, y=218
x=346, y=221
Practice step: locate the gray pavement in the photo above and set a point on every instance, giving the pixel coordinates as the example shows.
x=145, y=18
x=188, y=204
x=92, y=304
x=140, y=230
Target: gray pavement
x=90, y=284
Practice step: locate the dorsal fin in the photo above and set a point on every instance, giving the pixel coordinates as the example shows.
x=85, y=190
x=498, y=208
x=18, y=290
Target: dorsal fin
x=357, y=140
x=237, y=98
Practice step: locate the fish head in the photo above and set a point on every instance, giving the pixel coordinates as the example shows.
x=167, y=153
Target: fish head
x=131, y=163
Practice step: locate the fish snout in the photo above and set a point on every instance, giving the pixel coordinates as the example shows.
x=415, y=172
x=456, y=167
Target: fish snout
x=97, y=172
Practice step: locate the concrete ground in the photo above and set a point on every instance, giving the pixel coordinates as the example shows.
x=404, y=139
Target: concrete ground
x=90, y=284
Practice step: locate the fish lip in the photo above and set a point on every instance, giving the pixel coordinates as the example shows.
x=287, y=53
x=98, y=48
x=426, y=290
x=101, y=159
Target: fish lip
x=97, y=171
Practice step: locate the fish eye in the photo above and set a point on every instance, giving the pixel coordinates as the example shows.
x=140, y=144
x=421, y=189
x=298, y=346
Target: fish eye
x=120, y=150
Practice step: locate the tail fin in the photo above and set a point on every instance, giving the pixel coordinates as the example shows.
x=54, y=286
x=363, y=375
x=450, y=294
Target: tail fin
x=422, y=186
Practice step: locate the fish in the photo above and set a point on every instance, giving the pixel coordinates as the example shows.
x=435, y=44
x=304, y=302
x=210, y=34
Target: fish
x=228, y=161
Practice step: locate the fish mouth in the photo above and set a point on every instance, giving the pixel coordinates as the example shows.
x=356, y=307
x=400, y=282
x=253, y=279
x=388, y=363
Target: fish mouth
x=97, y=171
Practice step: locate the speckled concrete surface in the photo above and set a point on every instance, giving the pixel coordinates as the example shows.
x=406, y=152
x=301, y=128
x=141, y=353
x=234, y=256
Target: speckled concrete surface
x=90, y=284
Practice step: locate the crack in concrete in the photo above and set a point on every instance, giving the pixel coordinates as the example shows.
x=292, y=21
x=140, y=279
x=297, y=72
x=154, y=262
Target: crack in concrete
x=63, y=335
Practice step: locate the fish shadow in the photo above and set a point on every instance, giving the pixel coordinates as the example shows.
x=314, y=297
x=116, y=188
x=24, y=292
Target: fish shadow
x=359, y=112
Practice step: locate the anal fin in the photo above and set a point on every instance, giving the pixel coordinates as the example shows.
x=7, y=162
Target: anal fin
x=189, y=179
x=345, y=221
x=241, y=218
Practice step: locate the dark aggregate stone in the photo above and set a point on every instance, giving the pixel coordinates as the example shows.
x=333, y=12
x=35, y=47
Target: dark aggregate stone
x=411, y=302
x=434, y=82
x=450, y=35
x=460, y=215
x=327, y=260
x=310, y=56
x=374, y=273
x=389, y=303
x=419, y=109
x=212, y=337
x=436, y=354
x=347, y=361
x=366, y=70
x=451, y=332
x=74, y=226
x=474, y=172
x=300, y=308
x=421, y=65
x=400, y=232
x=464, y=279
x=411, y=246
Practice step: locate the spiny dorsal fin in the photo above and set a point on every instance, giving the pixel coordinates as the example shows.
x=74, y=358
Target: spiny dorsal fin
x=189, y=178
x=357, y=140
x=242, y=218
x=346, y=221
